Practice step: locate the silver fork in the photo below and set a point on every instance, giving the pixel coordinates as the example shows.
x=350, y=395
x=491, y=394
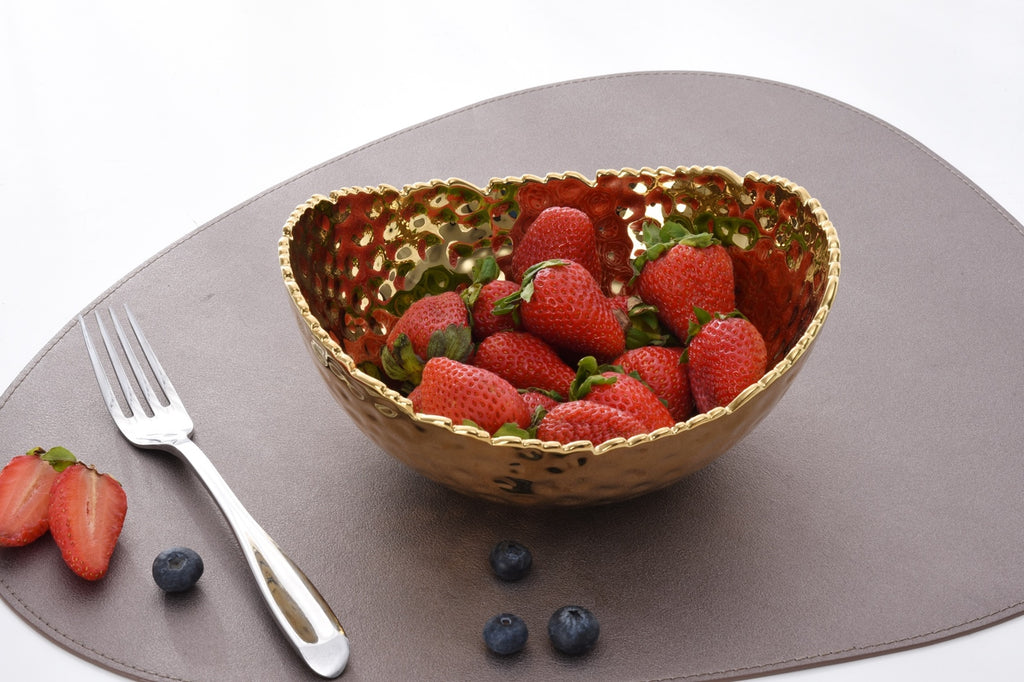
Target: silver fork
x=300, y=611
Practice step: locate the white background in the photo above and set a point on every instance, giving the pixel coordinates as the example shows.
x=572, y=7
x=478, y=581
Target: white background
x=104, y=103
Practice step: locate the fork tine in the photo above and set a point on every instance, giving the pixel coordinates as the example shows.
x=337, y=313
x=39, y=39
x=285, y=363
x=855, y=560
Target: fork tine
x=133, y=360
x=101, y=375
x=134, y=406
x=154, y=363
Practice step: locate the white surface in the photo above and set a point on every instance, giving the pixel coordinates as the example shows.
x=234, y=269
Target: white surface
x=194, y=100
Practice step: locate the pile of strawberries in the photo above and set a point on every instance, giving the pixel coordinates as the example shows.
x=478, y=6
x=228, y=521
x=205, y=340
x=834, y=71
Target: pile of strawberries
x=50, y=490
x=546, y=352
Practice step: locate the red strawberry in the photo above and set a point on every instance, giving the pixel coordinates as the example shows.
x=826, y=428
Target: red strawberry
x=561, y=303
x=25, y=499
x=432, y=325
x=426, y=316
x=535, y=399
x=726, y=355
x=558, y=232
x=87, y=511
x=681, y=270
x=525, y=362
x=464, y=393
x=25, y=494
x=621, y=391
x=483, y=293
x=662, y=368
x=587, y=420
x=485, y=322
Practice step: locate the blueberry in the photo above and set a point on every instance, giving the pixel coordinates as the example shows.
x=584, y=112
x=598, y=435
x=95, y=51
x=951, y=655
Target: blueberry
x=573, y=630
x=510, y=560
x=505, y=634
x=177, y=569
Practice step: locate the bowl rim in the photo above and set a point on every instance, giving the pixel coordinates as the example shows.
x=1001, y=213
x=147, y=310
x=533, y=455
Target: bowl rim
x=330, y=350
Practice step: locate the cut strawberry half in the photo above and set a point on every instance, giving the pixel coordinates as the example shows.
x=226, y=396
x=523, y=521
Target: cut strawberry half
x=25, y=494
x=87, y=511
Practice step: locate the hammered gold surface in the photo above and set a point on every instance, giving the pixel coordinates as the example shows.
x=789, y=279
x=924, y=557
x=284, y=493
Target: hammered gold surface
x=354, y=260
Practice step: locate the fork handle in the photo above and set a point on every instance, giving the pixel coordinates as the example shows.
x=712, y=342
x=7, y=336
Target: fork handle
x=301, y=613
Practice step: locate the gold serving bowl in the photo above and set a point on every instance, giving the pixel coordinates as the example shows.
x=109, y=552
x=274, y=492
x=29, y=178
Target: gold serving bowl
x=354, y=260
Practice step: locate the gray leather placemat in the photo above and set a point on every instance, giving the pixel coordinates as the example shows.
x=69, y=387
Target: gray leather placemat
x=877, y=508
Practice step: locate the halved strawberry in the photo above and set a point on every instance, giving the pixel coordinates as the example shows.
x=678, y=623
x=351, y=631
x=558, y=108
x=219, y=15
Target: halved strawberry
x=25, y=494
x=87, y=511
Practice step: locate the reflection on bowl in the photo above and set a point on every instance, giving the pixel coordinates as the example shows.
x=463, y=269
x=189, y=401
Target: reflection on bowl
x=352, y=261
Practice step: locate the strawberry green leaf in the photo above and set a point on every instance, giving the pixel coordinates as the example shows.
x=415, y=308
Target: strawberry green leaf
x=367, y=367
x=645, y=328
x=401, y=362
x=526, y=290
x=509, y=304
x=588, y=375
x=484, y=271
x=470, y=294
x=586, y=366
x=676, y=233
x=703, y=317
x=512, y=429
x=658, y=239
x=59, y=458
x=539, y=413
x=651, y=233
x=454, y=341
x=678, y=229
x=526, y=286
